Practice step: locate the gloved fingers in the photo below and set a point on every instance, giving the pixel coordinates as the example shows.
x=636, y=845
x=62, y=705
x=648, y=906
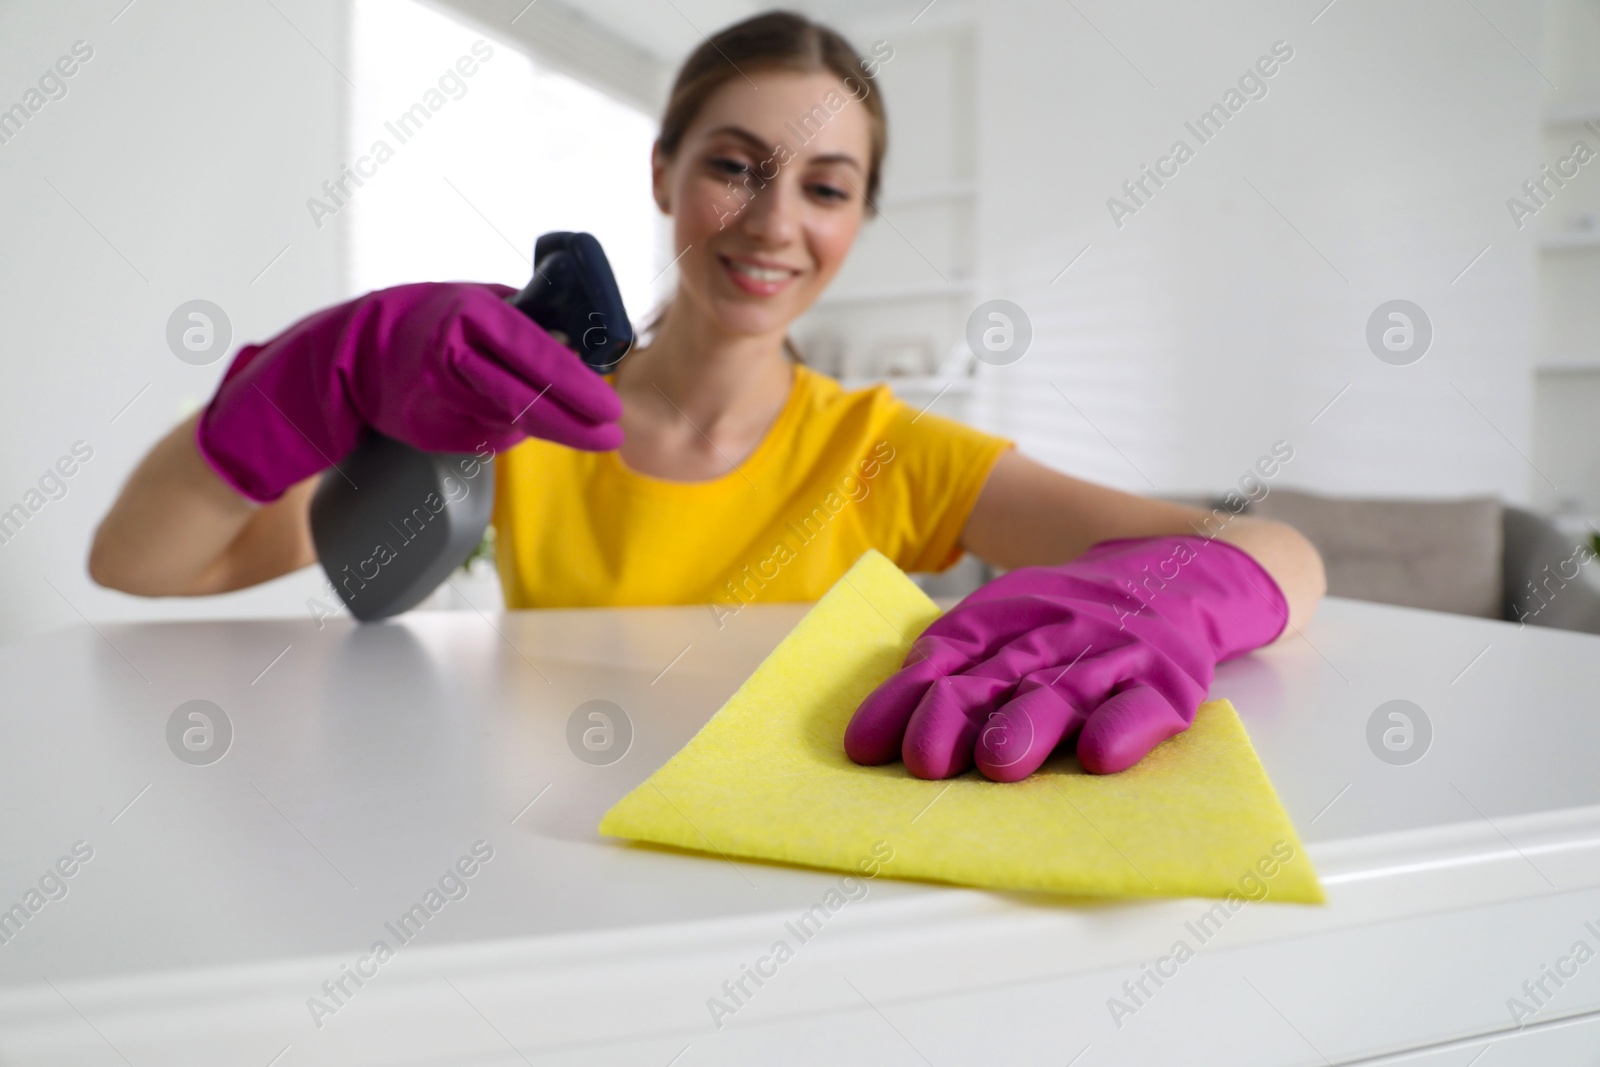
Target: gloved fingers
x=980, y=625
x=946, y=654
x=502, y=334
x=1015, y=637
x=1121, y=731
x=878, y=726
x=533, y=412
x=946, y=722
x=1020, y=735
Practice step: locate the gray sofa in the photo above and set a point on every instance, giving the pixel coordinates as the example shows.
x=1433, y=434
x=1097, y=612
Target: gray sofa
x=1472, y=556
x=1534, y=549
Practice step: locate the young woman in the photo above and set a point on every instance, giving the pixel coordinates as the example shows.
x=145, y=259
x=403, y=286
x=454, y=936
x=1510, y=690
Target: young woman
x=714, y=467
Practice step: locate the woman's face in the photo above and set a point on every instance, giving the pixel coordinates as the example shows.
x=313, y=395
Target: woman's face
x=766, y=194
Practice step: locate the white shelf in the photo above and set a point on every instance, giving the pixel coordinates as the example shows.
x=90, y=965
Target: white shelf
x=1566, y=242
x=899, y=293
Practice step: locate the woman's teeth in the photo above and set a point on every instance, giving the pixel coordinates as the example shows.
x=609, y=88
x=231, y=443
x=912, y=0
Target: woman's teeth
x=760, y=274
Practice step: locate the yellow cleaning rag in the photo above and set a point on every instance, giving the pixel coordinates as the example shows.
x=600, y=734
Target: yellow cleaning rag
x=767, y=777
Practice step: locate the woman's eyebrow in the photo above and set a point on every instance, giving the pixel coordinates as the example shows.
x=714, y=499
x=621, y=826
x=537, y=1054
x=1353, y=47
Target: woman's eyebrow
x=837, y=157
x=764, y=148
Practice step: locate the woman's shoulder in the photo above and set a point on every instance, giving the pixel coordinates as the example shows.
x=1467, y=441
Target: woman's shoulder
x=827, y=393
x=877, y=404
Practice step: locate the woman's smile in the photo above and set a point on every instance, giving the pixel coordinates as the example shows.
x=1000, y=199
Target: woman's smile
x=757, y=277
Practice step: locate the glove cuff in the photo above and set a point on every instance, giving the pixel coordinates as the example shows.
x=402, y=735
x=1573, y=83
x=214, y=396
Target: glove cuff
x=1258, y=614
x=255, y=495
x=1231, y=597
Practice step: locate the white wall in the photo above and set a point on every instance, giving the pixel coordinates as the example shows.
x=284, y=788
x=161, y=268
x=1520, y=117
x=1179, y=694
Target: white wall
x=186, y=146
x=1213, y=322
x=517, y=150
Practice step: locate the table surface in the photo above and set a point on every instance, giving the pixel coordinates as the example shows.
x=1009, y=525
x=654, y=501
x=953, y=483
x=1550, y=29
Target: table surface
x=366, y=760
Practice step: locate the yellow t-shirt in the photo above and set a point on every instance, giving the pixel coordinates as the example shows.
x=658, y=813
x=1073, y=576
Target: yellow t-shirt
x=837, y=473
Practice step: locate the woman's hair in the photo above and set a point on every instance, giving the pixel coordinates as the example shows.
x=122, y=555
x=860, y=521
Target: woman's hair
x=774, y=40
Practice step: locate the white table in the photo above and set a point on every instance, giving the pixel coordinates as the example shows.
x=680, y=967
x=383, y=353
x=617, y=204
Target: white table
x=366, y=760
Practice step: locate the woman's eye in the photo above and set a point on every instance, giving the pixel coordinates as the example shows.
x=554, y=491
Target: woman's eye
x=829, y=192
x=729, y=166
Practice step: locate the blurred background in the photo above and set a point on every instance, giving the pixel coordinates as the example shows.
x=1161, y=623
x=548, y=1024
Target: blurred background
x=1399, y=153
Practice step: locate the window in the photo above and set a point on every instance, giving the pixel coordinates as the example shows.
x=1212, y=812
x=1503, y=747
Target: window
x=463, y=171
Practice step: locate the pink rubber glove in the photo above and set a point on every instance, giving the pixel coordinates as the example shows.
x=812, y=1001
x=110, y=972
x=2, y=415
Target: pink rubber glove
x=441, y=366
x=1116, y=648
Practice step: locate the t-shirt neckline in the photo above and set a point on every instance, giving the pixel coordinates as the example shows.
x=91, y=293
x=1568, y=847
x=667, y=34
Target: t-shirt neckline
x=799, y=384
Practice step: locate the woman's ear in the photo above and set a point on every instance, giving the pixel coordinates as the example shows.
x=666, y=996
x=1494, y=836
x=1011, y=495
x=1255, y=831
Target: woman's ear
x=658, y=179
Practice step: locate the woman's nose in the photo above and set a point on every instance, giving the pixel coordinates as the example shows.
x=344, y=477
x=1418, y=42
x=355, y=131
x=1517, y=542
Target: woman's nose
x=773, y=214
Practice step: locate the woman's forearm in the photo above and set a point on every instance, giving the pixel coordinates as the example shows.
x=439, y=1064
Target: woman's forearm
x=1288, y=556
x=1031, y=515
x=177, y=529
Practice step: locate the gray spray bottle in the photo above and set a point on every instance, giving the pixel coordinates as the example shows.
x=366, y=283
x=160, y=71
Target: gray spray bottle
x=392, y=527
